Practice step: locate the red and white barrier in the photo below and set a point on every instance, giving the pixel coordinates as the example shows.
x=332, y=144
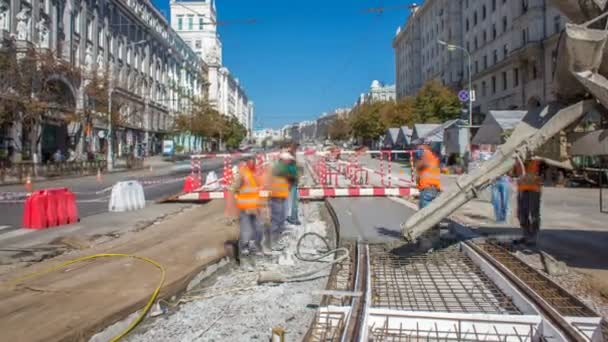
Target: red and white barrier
x=314, y=193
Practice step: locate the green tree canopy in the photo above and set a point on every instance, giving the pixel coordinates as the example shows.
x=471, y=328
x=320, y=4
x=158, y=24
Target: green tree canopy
x=339, y=129
x=435, y=103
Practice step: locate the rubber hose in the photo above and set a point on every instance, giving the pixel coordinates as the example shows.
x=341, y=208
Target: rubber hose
x=326, y=253
x=105, y=255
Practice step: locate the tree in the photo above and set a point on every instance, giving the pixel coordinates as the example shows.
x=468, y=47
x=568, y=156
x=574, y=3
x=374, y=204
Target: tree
x=339, y=129
x=436, y=103
x=366, y=122
x=397, y=114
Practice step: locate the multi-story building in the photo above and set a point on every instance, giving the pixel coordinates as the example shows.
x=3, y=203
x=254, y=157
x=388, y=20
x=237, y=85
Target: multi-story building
x=377, y=92
x=130, y=44
x=418, y=55
x=512, y=46
x=196, y=23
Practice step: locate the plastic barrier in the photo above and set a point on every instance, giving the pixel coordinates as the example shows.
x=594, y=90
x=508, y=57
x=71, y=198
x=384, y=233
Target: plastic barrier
x=50, y=208
x=191, y=183
x=127, y=196
x=211, y=182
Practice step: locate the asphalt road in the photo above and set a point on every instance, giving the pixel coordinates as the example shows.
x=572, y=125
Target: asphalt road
x=93, y=197
x=373, y=220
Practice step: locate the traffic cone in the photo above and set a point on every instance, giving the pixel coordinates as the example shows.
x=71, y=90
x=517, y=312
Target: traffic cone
x=99, y=176
x=28, y=184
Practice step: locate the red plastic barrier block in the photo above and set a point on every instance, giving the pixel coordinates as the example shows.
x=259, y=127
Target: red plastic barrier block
x=191, y=183
x=71, y=208
x=34, y=211
x=57, y=200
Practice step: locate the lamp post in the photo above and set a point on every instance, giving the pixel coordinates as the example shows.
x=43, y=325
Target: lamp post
x=110, y=152
x=452, y=47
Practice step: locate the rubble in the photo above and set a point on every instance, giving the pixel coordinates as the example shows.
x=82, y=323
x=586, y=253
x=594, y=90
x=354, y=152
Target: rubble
x=232, y=306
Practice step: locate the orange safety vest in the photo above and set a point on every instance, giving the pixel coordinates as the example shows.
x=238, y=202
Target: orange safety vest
x=248, y=196
x=430, y=174
x=530, y=180
x=279, y=188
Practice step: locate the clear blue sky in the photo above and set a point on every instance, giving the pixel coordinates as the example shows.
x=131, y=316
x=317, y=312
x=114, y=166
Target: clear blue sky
x=305, y=57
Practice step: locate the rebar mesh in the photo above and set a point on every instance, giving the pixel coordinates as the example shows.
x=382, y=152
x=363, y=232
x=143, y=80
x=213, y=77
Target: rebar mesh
x=341, y=278
x=562, y=301
x=443, y=281
x=327, y=327
x=453, y=330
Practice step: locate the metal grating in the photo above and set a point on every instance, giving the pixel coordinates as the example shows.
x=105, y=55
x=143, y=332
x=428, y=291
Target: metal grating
x=327, y=327
x=442, y=281
x=455, y=330
x=565, y=303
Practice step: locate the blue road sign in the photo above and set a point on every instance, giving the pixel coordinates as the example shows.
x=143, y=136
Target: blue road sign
x=463, y=95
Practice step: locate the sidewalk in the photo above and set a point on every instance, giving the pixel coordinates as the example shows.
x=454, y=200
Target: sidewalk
x=74, y=303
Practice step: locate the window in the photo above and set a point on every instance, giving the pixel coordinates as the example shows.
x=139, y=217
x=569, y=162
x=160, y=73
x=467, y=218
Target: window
x=493, y=5
x=475, y=43
x=475, y=18
x=495, y=56
x=190, y=22
x=524, y=37
x=476, y=66
x=505, y=51
x=534, y=72
x=493, y=84
x=201, y=24
x=467, y=25
x=493, y=31
x=485, y=37
x=504, y=24
x=504, y=80
x=483, y=88
x=485, y=62
x=515, y=77
x=524, y=6
x=483, y=12
x=180, y=22
x=557, y=24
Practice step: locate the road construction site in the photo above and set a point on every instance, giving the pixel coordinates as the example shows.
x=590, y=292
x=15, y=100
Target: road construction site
x=367, y=284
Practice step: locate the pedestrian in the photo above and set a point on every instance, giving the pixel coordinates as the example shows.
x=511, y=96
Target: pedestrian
x=501, y=192
x=58, y=156
x=279, y=193
x=529, y=185
x=293, y=217
x=246, y=189
x=428, y=175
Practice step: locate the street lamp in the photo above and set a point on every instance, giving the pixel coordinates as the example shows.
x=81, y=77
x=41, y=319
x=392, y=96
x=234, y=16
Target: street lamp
x=452, y=47
x=110, y=152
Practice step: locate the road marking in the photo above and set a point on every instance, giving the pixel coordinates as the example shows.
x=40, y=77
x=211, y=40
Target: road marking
x=4, y=227
x=16, y=232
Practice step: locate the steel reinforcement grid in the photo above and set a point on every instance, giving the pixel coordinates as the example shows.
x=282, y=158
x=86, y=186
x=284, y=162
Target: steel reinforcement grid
x=442, y=281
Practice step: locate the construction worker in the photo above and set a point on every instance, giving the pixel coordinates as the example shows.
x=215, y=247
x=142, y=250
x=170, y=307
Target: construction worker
x=281, y=176
x=246, y=189
x=428, y=175
x=293, y=217
x=529, y=186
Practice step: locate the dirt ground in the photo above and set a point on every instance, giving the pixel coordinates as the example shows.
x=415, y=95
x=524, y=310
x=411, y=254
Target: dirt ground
x=74, y=303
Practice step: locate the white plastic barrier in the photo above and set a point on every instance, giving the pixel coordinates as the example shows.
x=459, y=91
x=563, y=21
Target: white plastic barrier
x=211, y=182
x=127, y=196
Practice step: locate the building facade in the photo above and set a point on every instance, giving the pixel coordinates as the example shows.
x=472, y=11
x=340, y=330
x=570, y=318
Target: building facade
x=196, y=23
x=512, y=46
x=148, y=67
x=377, y=92
x=418, y=55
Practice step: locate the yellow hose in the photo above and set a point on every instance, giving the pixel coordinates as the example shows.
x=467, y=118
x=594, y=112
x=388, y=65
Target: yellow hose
x=106, y=255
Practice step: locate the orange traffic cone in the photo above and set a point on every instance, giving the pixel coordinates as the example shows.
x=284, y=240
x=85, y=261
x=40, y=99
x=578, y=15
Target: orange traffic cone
x=28, y=184
x=99, y=176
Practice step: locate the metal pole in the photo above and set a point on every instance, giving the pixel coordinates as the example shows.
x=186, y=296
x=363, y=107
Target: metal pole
x=110, y=157
x=470, y=91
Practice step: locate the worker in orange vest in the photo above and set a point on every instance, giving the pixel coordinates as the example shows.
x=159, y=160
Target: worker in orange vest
x=428, y=175
x=529, y=184
x=246, y=189
x=278, y=187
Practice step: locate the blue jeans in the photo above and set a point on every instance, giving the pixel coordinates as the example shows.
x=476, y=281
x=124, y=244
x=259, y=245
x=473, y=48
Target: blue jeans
x=293, y=200
x=427, y=195
x=249, y=230
x=501, y=191
x=278, y=213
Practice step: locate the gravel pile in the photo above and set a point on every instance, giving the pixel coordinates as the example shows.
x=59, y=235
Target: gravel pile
x=232, y=307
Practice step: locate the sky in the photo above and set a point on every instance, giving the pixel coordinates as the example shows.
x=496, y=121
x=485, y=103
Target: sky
x=303, y=58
